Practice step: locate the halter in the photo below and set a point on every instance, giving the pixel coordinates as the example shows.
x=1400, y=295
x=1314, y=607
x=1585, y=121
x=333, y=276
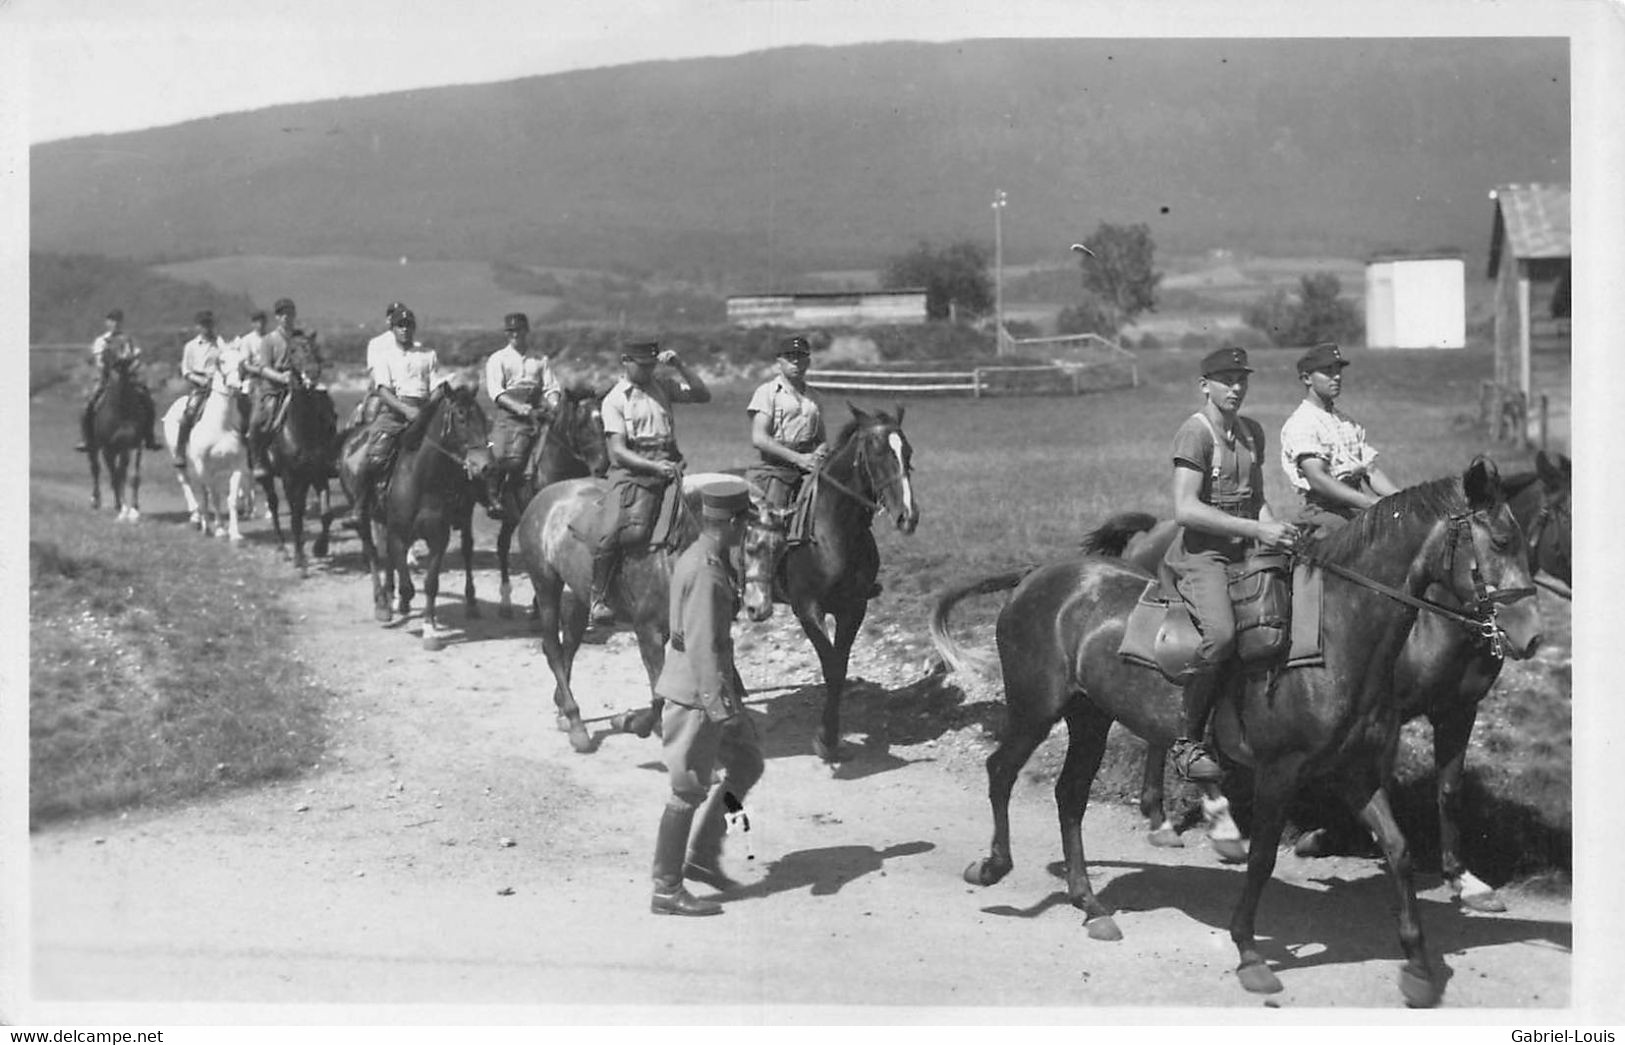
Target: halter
x=1481, y=618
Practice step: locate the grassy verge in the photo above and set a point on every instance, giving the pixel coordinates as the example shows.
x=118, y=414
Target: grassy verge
x=161, y=666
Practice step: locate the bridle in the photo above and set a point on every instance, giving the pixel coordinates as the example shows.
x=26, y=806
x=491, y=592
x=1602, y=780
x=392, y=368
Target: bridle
x=862, y=458
x=1537, y=532
x=433, y=444
x=1480, y=618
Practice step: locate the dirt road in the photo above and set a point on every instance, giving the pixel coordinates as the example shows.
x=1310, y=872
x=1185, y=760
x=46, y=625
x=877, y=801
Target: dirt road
x=452, y=851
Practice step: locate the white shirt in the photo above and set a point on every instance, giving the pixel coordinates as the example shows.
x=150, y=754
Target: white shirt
x=1332, y=436
x=405, y=371
x=510, y=370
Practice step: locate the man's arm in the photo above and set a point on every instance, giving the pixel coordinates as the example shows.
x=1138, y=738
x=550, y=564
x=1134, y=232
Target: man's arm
x=689, y=388
x=1190, y=511
x=623, y=455
x=763, y=440
x=708, y=640
x=1322, y=482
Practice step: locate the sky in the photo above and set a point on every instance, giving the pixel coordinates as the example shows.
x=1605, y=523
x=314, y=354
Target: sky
x=96, y=67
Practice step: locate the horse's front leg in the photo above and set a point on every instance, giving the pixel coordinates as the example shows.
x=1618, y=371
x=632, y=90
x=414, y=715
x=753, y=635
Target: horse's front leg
x=848, y=619
x=274, y=507
x=438, y=536
x=374, y=552
x=1417, y=983
x=95, y=475
x=563, y=622
x=1162, y=832
x=234, y=490
x=135, y=487
x=325, y=507
x=1273, y=784
x=298, y=495
x=1450, y=735
x=505, y=588
x=471, y=605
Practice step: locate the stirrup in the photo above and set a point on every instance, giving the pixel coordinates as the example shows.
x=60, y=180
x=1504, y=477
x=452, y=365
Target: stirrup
x=600, y=613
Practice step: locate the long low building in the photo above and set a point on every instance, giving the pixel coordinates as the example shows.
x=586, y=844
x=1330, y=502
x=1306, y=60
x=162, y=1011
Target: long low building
x=834, y=309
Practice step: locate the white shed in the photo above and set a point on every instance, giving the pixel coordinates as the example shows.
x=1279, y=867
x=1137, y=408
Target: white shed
x=1416, y=301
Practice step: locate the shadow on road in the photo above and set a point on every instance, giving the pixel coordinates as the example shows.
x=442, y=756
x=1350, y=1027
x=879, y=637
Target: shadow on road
x=826, y=870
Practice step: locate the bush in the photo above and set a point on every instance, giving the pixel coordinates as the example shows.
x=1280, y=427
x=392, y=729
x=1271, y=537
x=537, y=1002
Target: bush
x=1316, y=313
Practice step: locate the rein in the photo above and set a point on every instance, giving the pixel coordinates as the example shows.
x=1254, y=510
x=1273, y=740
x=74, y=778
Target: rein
x=1481, y=622
x=822, y=475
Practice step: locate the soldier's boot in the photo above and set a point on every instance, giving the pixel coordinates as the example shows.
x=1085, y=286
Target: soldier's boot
x=671, y=842
x=363, y=484
x=604, y=564
x=704, y=861
x=87, y=424
x=496, y=492
x=1192, y=758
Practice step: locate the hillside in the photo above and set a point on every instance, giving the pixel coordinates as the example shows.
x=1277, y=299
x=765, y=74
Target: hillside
x=756, y=168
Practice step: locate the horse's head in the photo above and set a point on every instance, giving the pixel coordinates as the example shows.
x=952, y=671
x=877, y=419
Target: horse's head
x=762, y=547
x=1552, y=527
x=1484, y=562
x=464, y=433
x=883, y=459
x=582, y=422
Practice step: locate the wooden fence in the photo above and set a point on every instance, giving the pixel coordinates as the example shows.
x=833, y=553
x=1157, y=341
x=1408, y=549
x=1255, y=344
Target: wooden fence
x=1505, y=413
x=975, y=382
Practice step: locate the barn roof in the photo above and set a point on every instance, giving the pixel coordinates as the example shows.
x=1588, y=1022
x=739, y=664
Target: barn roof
x=1533, y=219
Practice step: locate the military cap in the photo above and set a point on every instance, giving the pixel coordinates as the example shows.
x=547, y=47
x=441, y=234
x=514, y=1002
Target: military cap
x=793, y=346
x=1326, y=354
x=256, y=315
x=204, y=317
x=1225, y=359
x=724, y=497
x=116, y=313
x=515, y=322
x=641, y=351
x=284, y=307
x=392, y=308
x=403, y=317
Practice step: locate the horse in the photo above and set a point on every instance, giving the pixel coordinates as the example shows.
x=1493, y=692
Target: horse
x=1058, y=638
x=572, y=446
x=560, y=566
x=215, y=477
x=300, y=452
x=833, y=572
x=117, y=435
x=1443, y=673
x=433, y=485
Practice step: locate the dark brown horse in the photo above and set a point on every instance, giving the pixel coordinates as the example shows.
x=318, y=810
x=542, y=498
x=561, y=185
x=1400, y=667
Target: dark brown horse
x=435, y=481
x=1058, y=639
x=300, y=453
x=560, y=568
x=833, y=572
x=571, y=446
x=117, y=435
x=1443, y=673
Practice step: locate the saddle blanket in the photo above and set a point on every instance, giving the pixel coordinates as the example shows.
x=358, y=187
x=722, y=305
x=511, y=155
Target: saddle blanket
x=1147, y=617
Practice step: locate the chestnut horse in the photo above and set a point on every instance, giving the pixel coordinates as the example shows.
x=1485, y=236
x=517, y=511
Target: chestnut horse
x=1058, y=638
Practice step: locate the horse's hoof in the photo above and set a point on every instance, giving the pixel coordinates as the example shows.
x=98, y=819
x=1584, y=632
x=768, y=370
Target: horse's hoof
x=382, y=615
x=1230, y=850
x=580, y=742
x=1103, y=928
x=839, y=752
x=1420, y=991
x=1312, y=843
x=1166, y=838
x=1483, y=903
x=984, y=872
x=1257, y=978
x=433, y=643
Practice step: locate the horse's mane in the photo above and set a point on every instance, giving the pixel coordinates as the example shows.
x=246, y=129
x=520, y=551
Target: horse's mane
x=850, y=430
x=1517, y=483
x=1393, y=516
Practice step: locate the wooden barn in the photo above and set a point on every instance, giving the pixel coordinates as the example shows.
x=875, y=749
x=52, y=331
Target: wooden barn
x=1530, y=247
x=834, y=309
x=1416, y=301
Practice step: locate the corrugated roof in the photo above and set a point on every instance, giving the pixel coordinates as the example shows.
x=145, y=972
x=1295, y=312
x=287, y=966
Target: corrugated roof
x=1534, y=219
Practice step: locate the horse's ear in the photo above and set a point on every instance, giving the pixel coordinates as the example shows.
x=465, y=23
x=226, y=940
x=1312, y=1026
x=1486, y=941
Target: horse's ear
x=1554, y=470
x=857, y=413
x=899, y=415
x=1482, y=483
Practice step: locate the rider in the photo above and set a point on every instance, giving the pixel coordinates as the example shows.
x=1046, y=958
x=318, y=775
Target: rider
x=402, y=374
x=516, y=376
x=1324, y=452
x=200, y=358
x=786, y=426
x=112, y=344
x=384, y=342
x=286, y=354
x=643, y=455
x=1219, y=505
x=249, y=350
x=704, y=723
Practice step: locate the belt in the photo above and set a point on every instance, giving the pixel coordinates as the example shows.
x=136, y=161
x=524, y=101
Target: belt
x=642, y=445
x=676, y=642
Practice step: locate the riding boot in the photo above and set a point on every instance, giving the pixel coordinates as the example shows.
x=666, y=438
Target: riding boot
x=604, y=565
x=87, y=424
x=1192, y=758
x=670, y=843
x=704, y=861
x=351, y=519
x=183, y=436
x=497, y=491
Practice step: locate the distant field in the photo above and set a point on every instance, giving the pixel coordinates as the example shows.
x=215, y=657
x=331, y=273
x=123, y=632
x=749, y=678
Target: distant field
x=350, y=290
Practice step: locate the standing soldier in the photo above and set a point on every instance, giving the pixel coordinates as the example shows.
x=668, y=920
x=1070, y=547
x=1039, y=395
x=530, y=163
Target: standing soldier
x=521, y=382
x=786, y=426
x=199, y=359
x=1219, y=505
x=402, y=376
x=645, y=465
x=1324, y=452
x=287, y=354
x=704, y=724
x=113, y=343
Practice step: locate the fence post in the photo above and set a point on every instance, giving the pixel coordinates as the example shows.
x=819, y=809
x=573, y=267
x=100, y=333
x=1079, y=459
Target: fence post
x=976, y=383
x=1544, y=420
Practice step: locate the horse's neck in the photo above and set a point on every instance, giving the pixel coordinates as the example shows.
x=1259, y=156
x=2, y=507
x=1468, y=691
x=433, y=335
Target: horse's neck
x=838, y=517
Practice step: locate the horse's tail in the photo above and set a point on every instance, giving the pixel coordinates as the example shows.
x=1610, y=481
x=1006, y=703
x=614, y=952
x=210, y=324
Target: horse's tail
x=947, y=648
x=1113, y=535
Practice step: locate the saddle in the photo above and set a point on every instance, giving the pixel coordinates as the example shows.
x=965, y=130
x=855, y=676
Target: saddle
x=1277, y=610
x=604, y=520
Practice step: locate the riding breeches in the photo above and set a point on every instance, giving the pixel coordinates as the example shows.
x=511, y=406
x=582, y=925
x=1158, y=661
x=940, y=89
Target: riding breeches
x=694, y=747
x=1204, y=585
x=511, y=440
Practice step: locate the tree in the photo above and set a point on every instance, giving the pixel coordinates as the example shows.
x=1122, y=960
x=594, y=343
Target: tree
x=954, y=277
x=1118, y=274
x=1316, y=313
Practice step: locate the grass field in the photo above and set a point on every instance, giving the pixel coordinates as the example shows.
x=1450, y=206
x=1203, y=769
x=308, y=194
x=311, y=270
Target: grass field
x=1002, y=482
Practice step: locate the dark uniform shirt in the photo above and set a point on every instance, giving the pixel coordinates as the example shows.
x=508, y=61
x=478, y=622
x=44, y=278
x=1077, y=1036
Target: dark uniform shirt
x=699, y=669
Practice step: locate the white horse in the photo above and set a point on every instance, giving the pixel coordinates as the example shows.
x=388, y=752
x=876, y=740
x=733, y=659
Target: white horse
x=215, y=478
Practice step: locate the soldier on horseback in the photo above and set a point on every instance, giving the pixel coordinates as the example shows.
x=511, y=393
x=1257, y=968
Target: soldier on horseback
x=1219, y=504
x=645, y=464
x=113, y=345
x=1324, y=452
x=786, y=426
x=402, y=374
x=287, y=354
x=200, y=360
x=521, y=382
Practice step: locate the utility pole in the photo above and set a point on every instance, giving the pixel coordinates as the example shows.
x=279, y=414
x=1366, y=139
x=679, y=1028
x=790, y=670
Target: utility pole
x=999, y=201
